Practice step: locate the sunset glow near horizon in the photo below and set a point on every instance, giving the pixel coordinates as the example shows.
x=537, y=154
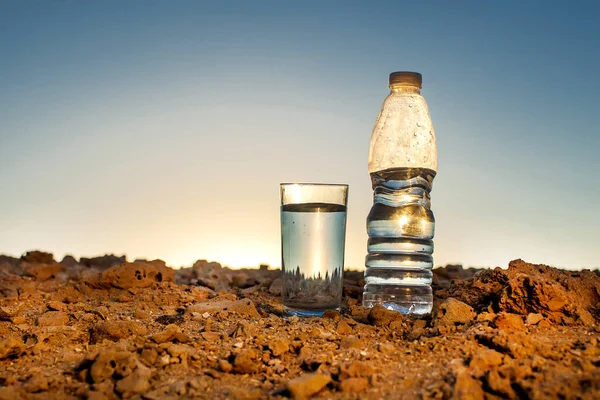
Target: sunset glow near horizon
x=163, y=130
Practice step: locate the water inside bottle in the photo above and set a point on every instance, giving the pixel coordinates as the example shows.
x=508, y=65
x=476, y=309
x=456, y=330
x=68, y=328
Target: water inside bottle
x=401, y=229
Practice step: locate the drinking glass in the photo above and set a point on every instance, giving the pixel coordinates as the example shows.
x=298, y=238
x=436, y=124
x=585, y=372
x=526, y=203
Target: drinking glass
x=313, y=235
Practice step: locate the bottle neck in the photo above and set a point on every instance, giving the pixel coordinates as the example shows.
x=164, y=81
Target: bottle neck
x=404, y=89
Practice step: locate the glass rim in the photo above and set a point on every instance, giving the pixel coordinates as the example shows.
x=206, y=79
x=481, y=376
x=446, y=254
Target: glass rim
x=314, y=184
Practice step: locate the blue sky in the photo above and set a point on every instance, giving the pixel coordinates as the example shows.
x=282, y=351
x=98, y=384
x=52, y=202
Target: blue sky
x=163, y=129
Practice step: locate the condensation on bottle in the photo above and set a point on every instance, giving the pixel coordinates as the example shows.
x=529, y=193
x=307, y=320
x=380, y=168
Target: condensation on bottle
x=400, y=225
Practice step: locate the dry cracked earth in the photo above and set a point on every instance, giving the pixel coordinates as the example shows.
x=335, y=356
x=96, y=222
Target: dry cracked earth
x=103, y=328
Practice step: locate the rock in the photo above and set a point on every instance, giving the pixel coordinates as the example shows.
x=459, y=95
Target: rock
x=169, y=319
x=94, y=395
x=453, y=312
x=417, y=330
x=343, y=328
x=225, y=366
x=245, y=362
x=514, y=343
x=509, y=321
x=149, y=356
x=57, y=306
x=36, y=383
x=53, y=318
x=211, y=336
x=212, y=275
x=567, y=297
x=500, y=381
x=485, y=359
x=10, y=347
x=38, y=257
x=276, y=287
x=382, y=317
x=172, y=333
x=242, y=307
x=467, y=388
x=112, y=361
x=354, y=385
x=137, y=275
x=12, y=393
x=243, y=280
x=141, y=314
x=103, y=262
x=307, y=385
x=332, y=315
x=534, y=318
x=357, y=369
x=116, y=330
x=41, y=272
x=11, y=261
x=68, y=261
x=5, y=316
x=485, y=317
x=386, y=348
x=177, y=350
x=351, y=342
x=136, y=383
x=279, y=347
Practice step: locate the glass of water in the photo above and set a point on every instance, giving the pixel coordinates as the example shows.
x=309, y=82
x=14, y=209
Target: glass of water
x=313, y=235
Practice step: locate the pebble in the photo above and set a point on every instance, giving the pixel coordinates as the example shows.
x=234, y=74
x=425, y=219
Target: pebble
x=53, y=318
x=386, y=348
x=149, y=356
x=42, y=272
x=169, y=319
x=279, y=347
x=116, y=330
x=485, y=359
x=343, y=328
x=141, y=314
x=136, y=383
x=453, y=312
x=137, y=274
x=307, y=385
x=382, y=317
x=354, y=385
x=57, y=306
x=466, y=387
x=242, y=307
x=36, y=383
x=351, y=342
x=245, y=362
x=509, y=321
x=485, y=317
x=534, y=318
x=211, y=336
x=172, y=333
x=225, y=366
x=109, y=361
x=177, y=350
x=332, y=314
x=93, y=395
x=515, y=343
x=276, y=287
x=356, y=370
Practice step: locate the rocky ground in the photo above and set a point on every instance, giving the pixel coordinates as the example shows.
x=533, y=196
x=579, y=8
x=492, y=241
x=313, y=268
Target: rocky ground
x=103, y=328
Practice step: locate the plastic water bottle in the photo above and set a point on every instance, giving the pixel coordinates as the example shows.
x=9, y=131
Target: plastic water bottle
x=402, y=165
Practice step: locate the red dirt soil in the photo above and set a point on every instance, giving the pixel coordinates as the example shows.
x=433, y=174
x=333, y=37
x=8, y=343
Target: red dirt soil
x=103, y=328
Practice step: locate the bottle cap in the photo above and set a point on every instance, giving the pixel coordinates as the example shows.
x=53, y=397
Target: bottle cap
x=405, y=78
